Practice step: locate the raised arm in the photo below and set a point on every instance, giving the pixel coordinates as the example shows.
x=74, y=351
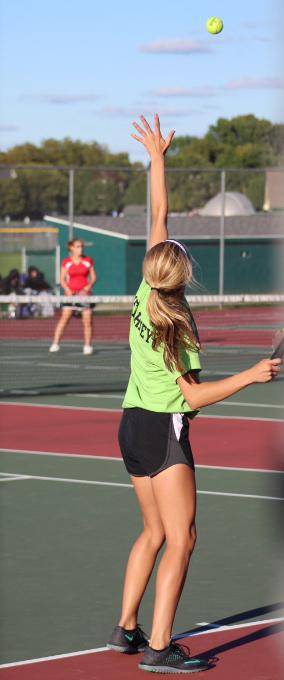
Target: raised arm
x=156, y=146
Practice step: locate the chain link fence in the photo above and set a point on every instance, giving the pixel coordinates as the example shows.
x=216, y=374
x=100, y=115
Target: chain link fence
x=213, y=203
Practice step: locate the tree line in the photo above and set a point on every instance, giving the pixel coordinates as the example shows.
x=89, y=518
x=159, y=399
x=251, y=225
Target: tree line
x=242, y=143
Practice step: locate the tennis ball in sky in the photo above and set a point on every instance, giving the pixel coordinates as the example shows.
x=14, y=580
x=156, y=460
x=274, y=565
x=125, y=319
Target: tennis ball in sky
x=214, y=25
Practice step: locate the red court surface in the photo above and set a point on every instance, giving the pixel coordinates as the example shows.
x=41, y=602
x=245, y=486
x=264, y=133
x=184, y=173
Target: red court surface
x=250, y=653
x=215, y=326
x=226, y=441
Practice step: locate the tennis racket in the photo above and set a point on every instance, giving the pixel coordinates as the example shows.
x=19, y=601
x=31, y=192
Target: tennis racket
x=278, y=345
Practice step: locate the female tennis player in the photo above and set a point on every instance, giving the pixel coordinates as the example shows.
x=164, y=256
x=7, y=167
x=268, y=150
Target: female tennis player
x=77, y=277
x=163, y=394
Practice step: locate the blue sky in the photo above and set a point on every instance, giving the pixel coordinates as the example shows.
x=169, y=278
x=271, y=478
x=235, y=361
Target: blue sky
x=88, y=69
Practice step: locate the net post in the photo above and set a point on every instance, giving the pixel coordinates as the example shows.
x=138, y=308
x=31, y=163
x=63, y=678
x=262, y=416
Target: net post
x=222, y=235
x=71, y=203
x=148, y=206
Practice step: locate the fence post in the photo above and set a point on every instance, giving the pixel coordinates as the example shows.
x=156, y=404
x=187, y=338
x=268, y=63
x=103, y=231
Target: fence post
x=57, y=266
x=24, y=261
x=222, y=234
x=71, y=203
x=148, y=206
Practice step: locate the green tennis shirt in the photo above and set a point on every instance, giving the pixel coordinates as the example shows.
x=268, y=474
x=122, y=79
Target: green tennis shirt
x=152, y=385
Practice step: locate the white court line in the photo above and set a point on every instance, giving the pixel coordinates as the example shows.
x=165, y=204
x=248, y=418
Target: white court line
x=80, y=366
x=50, y=364
x=53, y=365
x=13, y=478
x=9, y=475
x=130, y=486
x=216, y=628
x=262, y=418
x=115, y=410
x=120, y=460
x=20, y=356
x=237, y=469
x=210, y=630
x=57, y=406
x=246, y=350
x=23, y=362
x=60, y=454
x=240, y=495
x=120, y=369
x=249, y=404
x=68, y=480
x=55, y=657
x=104, y=395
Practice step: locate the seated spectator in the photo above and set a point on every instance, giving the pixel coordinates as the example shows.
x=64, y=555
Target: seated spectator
x=12, y=283
x=35, y=284
x=35, y=281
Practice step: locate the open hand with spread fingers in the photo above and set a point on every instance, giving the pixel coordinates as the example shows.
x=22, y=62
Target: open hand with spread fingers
x=153, y=141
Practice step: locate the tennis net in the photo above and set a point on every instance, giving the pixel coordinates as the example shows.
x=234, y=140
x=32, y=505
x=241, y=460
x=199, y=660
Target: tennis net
x=235, y=331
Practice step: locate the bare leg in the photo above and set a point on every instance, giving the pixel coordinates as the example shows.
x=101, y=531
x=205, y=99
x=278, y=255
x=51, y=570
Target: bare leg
x=175, y=494
x=61, y=325
x=143, y=555
x=87, y=318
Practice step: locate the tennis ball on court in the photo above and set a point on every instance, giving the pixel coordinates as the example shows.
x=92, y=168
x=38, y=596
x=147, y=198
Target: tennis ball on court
x=214, y=25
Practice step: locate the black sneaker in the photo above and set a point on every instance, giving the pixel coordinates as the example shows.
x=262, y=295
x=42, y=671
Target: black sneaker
x=128, y=641
x=173, y=659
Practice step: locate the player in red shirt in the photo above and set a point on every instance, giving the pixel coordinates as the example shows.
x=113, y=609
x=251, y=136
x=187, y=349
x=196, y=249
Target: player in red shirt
x=77, y=278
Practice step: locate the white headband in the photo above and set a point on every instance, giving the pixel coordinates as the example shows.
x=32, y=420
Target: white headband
x=172, y=240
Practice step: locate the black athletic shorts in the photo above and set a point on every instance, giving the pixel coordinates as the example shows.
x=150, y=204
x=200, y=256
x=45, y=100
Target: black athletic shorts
x=151, y=442
x=78, y=306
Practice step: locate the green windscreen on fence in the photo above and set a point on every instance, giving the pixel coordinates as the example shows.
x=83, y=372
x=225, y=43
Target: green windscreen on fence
x=10, y=261
x=45, y=261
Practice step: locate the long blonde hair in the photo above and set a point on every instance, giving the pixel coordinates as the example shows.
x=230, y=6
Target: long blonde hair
x=168, y=269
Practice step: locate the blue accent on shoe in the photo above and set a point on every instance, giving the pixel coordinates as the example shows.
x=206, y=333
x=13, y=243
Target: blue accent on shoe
x=128, y=642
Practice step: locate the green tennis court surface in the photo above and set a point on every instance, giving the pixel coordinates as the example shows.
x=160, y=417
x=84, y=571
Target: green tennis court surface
x=70, y=518
x=233, y=338
x=67, y=538
x=28, y=368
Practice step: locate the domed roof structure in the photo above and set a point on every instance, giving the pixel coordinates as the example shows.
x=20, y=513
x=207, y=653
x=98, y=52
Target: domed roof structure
x=235, y=204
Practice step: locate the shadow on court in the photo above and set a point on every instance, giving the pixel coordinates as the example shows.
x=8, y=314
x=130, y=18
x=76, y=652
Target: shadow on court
x=235, y=618
x=210, y=654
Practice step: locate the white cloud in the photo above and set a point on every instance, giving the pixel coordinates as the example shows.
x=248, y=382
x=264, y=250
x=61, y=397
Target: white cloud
x=248, y=83
x=205, y=91
x=176, y=46
x=8, y=127
x=63, y=99
x=129, y=112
